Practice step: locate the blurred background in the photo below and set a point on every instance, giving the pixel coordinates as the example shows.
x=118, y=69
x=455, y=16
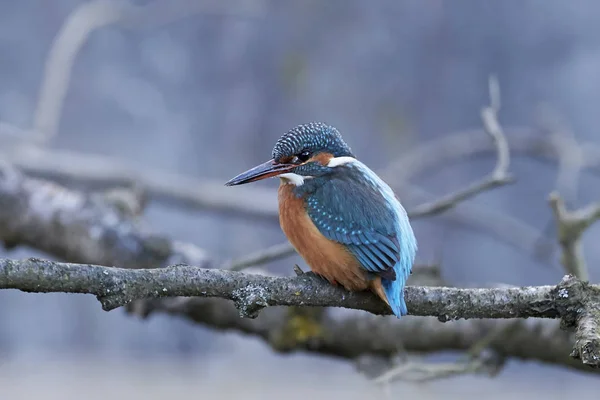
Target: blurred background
x=204, y=89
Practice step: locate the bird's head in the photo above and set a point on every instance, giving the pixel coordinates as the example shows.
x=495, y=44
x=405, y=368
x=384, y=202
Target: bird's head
x=306, y=151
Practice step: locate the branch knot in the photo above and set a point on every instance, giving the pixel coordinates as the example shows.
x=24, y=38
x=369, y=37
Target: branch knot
x=578, y=304
x=250, y=300
x=569, y=296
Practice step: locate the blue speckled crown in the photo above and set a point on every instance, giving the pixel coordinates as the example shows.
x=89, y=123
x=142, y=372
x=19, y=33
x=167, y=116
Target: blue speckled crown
x=314, y=137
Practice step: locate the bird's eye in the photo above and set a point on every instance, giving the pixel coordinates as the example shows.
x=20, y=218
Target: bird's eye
x=303, y=157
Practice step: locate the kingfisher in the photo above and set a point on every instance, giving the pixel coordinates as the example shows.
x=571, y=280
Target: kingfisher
x=344, y=220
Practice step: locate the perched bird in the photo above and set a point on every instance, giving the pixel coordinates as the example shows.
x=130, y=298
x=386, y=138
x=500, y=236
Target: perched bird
x=345, y=222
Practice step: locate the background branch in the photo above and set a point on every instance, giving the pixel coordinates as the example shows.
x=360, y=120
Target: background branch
x=81, y=228
x=100, y=172
x=70, y=225
x=92, y=219
x=87, y=18
x=570, y=228
x=352, y=335
x=498, y=177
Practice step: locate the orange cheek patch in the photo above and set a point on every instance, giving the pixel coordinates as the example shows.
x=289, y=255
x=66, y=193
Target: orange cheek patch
x=284, y=160
x=322, y=158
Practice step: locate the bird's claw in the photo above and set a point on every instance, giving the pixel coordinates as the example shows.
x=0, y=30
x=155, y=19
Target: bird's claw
x=309, y=274
x=298, y=270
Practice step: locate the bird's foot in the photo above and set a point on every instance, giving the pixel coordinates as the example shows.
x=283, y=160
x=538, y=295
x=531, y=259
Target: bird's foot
x=298, y=270
x=308, y=274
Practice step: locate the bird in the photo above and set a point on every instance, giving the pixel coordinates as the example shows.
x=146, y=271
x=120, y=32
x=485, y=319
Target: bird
x=340, y=216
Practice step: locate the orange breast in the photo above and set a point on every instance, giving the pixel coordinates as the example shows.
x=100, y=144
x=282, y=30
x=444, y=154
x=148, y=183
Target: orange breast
x=325, y=257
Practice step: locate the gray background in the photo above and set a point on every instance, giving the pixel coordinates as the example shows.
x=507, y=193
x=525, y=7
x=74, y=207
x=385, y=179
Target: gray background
x=208, y=95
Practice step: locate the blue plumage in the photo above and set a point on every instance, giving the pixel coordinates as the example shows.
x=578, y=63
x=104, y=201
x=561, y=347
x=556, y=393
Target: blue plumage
x=348, y=203
x=354, y=207
x=314, y=137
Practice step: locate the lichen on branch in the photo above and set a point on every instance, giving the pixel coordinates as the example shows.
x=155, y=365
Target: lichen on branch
x=115, y=287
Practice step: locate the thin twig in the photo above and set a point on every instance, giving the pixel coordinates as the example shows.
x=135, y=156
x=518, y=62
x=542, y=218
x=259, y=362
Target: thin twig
x=106, y=172
x=87, y=18
x=352, y=335
x=571, y=161
x=497, y=224
x=570, y=154
x=419, y=371
x=499, y=176
x=263, y=256
x=257, y=202
x=477, y=349
x=100, y=172
x=70, y=39
x=472, y=362
x=570, y=227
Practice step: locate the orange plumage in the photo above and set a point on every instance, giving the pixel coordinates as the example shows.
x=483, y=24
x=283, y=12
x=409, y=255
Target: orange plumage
x=326, y=258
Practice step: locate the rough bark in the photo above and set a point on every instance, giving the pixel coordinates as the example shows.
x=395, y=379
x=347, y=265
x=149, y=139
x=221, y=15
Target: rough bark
x=76, y=227
x=115, y=287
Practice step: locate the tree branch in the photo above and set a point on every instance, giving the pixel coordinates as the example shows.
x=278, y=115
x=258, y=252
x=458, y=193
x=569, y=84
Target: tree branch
x=259, y=257
x=72, y=226
x=498, y=177
x=96, y=14
x=87, y=230
x=353, y=335
x=81, y=228
x=103, y=172
x=570, y=227
x=116, y=287
x=571, y=300
x=100, y=172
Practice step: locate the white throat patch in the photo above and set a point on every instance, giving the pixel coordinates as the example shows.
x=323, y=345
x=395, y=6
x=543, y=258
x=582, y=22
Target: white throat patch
x=293, y=179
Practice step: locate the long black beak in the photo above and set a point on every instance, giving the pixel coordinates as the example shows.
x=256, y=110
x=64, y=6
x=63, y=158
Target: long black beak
x=262, y=171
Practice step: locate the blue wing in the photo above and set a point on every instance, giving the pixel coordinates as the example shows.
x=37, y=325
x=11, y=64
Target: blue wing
x=352, y=211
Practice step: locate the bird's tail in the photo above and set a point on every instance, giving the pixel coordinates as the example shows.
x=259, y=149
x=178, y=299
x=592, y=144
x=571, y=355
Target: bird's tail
x=392, y=292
